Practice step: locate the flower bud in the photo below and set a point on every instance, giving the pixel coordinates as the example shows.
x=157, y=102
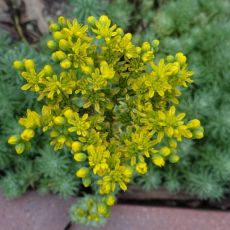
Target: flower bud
x=120, y=31
x=159, y=161
x=165, y=151
x=91, y=20
x=48, y=70
x=76, y=146
x=174, y=158
x=155, y=43
x=175, y=68
x=54, y=27
x=141, y=167
x=80, y=157
x=52, y=44
x=128, y=36
x=58, y=35
x=198, y=133
x=65, y=64
x=27, y=134
x=147, y=56
x=86, y=181
x=86, y=69
x=20, y=148
x=138, y=50
x=102, y=209
x=89, y=61
x=180, y=57
x=62, y=21
x=59, y=120
x=54, y=133
x=195, y=123
x=170, y=58
x=61, y=139
x=68, y=113
x=63, y=44
x=110, y=200
x=58, y=55
x=172, y=143
x=29, y=64
x=82, y=172
x=12, y=140
x=18, y=65
x=145, y=46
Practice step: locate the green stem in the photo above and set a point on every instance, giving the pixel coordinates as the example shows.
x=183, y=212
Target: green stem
x=19, y=29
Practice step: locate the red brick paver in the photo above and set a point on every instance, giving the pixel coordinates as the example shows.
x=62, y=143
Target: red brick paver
x=159, y=218
x=34, y=212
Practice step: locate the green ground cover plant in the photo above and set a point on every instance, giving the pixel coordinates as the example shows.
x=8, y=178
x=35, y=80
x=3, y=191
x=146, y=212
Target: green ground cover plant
x=201, y=33
x=110, y=105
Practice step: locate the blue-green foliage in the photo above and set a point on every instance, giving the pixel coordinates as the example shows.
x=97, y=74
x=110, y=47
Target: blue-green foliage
x=82, y=9
x=118, y=10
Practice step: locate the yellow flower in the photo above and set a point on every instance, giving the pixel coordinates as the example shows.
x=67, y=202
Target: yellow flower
x=98, y=159
x=173, y=124
x=121, y=175
x=31, y=121
x=80, y=125
x=106, y=71
x=76, y=30
x=102, y=209
x=110, y=200
x=102, y=27
x=105, y=187
x=59, y=140
x=57, y=87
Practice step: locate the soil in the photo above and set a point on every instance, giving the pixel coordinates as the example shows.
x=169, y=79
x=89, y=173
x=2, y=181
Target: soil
x=28, y=19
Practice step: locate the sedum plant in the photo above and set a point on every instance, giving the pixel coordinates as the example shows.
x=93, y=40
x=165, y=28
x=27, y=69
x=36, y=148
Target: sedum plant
x=204, y=26
x=111, y=105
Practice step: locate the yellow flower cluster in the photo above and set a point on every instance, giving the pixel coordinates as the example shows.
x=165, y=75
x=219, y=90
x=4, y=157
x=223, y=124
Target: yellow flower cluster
x=112, y=103
x=92, y=211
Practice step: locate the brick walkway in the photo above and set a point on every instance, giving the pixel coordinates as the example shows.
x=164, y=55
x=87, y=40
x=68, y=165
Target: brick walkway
x=34, y=212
